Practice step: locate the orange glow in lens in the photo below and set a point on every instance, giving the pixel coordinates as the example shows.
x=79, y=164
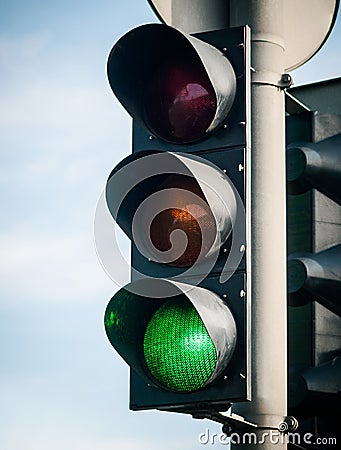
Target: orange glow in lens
x=173, y=219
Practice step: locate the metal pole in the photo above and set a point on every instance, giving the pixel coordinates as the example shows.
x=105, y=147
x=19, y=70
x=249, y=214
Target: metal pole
x=199, y=15
x=268, y=220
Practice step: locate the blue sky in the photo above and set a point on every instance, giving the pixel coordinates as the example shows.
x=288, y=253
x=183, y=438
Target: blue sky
x=61, y=132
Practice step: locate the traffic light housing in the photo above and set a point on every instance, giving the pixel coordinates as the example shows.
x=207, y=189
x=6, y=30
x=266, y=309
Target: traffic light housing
x=183, y=323
x=177, y=86
x=314, y=269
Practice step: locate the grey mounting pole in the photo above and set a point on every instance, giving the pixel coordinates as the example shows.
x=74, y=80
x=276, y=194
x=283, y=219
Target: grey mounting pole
x=268, y=221
x=198, y=15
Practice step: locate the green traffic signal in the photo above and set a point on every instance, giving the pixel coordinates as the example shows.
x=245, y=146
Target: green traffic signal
x=181, y=342
x=178, y=350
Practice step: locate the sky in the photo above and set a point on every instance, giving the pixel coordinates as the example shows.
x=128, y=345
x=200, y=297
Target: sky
x=61, y=132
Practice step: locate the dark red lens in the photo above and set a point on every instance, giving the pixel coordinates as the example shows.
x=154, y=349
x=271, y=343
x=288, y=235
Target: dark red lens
x=180, y=103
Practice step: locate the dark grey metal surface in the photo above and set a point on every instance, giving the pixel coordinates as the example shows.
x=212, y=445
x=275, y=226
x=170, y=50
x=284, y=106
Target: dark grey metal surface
x=323, y=96
x=316, y=277
x=315, y=165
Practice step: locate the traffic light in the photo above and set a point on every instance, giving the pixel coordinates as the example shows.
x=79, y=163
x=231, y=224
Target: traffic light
x=182, y=324
x=314, y=270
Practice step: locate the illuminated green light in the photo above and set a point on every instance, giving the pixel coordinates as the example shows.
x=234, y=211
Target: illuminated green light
x=178, y=350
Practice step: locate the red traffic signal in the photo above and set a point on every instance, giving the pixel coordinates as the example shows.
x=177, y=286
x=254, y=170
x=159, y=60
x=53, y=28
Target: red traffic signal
x=179, y=87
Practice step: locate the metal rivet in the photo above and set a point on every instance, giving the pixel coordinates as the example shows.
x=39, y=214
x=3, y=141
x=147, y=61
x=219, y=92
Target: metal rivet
x=242, y=293
x=225, y=250
x=242, y=376
x=225, y=125
x=241, y=45
x=225, y=49
x=225, y=377
x=224, y=295
x=242, y=248
x=151, y=137
x=240, y=167
x=242, y=124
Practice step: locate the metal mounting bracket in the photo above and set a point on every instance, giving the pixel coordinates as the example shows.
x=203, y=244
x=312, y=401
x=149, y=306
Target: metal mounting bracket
x=238, y=424
x=271, y=78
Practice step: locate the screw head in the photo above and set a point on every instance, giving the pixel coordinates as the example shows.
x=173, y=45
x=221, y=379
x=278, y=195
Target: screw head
x=286, y=79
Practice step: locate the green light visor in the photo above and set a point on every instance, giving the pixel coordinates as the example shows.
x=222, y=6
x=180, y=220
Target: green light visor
x=181, y=342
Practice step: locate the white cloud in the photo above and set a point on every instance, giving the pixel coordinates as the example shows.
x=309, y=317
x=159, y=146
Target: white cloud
x=56, y=105
x=53, y=415
x=122, y=443
x=58, y=143
x=53, y=269
x=24, y=49
x=61, y=116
